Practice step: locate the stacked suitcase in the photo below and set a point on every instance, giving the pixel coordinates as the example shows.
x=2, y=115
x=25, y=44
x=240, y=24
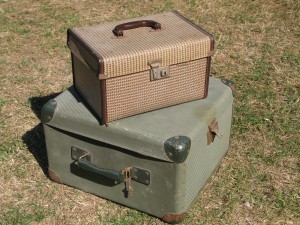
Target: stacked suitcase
x=143, y=125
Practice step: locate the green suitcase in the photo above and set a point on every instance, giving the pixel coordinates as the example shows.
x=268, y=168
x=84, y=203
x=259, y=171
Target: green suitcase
x=156, y=162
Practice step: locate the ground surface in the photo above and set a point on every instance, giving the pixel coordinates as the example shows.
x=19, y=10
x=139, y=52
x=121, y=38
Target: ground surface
x=257, y=46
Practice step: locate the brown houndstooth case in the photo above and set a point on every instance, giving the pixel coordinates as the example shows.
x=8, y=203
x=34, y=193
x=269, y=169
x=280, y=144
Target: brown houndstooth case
x=134, y=66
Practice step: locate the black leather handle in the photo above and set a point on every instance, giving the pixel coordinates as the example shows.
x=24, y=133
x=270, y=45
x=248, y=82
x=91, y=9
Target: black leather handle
x=111, y=174
x=118, y=30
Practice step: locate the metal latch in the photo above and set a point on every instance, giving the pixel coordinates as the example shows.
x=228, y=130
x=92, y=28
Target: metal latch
x=157, y=72
x=213, y=131
x=137, y=174
x=83, y=159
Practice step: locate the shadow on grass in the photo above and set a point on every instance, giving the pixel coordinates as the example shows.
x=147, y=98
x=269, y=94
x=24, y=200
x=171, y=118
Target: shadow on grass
x=35, y=138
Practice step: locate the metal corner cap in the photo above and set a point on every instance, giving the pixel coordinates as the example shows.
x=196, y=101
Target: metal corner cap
x=177, y=148
x=174, y=218
x=230, y=84
x=48, y=111
x=53, y=176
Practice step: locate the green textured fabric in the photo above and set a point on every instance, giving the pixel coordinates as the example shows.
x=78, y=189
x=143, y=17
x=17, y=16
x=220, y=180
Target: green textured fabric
x=147, y=132
x=139, y=141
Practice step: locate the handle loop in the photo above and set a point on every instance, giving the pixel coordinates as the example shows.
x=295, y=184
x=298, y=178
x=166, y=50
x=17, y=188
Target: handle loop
x=111, y=174
x=118, y=30
x=83, y=159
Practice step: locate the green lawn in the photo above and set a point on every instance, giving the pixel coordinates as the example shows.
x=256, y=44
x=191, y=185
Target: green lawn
x=257, y=46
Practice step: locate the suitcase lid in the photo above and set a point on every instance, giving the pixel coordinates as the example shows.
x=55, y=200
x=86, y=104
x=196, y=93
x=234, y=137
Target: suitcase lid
x=163, y=39
x=145, y=134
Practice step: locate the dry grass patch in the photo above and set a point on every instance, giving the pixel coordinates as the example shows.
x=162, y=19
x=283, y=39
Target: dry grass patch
x=257, y=46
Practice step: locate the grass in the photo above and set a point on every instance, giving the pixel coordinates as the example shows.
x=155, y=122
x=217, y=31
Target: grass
x=18, y=214
x=257, y=46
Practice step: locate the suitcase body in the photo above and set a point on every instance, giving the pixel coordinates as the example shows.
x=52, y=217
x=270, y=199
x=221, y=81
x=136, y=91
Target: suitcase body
x=134, y=66
x=156, y=162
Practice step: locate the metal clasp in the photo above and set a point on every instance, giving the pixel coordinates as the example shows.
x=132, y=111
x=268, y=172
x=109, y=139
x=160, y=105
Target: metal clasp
x=128, y=187
x=213, y=131
x=137, y=174
x=157, y=72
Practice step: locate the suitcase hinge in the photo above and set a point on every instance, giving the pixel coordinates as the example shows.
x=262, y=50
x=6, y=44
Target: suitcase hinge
x=158, y=72
x=213, y=131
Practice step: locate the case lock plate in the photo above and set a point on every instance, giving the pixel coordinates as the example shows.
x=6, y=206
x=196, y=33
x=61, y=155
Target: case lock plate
x=158, y=72
x=213, y=131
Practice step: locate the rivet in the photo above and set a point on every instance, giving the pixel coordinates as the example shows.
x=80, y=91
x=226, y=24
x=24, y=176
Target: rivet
x=147, y=173
x=147, y=181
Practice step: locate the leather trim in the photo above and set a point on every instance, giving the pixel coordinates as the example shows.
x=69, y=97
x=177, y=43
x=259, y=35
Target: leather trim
x=73, y=68
x=212, y=53
x=212, y=46
x=103, y=91
x=212, y=43
x=208, y=65
x=174, y=218
x=98, y=58
x=103, y=101
x=53, y=176
x=80, y=41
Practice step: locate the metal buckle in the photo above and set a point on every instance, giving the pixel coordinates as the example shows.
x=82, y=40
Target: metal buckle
x=157, y=72
x=213, y=131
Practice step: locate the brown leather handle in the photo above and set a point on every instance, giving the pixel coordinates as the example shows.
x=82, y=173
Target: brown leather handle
x=118, y=30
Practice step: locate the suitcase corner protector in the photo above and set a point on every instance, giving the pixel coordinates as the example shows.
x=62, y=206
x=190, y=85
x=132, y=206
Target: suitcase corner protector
x=48, y=111
x=177, y=148
x=174, y=218
x=230, y=84
x=53, y=176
